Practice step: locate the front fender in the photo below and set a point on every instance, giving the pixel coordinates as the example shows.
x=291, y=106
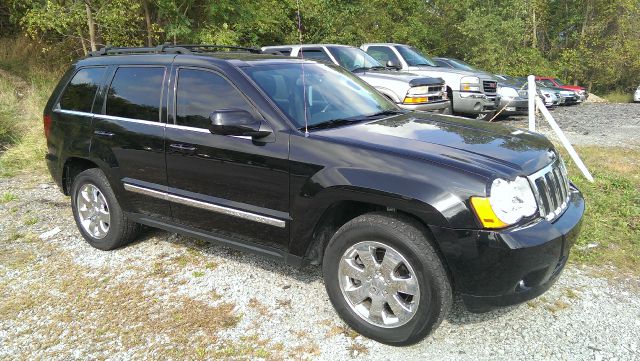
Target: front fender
x=432, y=202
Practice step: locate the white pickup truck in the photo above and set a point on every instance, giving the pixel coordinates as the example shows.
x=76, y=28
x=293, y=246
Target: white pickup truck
x=471, y=93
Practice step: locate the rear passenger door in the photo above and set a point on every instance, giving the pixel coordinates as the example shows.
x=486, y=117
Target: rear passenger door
x=128, y=136
x=72, y=115
x=227, y=185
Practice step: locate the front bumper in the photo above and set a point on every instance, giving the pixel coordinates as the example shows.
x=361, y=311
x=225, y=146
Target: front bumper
x=474, y=103
x=510, y=266
x=513, y=106
x=436, y=106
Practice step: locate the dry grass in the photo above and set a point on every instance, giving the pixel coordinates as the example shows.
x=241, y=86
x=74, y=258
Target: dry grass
x=65, y=307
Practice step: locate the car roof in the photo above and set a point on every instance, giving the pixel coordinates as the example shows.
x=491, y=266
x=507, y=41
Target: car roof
x=236, y=58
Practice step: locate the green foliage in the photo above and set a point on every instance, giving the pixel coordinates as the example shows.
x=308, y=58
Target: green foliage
x=592, y=42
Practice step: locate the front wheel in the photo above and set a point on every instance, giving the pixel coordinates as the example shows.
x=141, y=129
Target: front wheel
x=385, y=279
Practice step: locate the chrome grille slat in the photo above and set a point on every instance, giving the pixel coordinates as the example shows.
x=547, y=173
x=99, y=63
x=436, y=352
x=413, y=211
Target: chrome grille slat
x=551, y=189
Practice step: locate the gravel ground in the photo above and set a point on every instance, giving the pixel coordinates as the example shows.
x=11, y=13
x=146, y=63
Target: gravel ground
x=602, y=124
x=169, y=296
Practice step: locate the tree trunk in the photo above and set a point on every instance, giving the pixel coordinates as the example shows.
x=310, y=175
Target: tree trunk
x=84, y=46
x=535, y=27
x=92, y=27
x=147, y=18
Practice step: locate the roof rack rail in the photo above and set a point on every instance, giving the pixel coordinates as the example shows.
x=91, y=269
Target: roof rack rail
x=170, y=49
x=196, y=47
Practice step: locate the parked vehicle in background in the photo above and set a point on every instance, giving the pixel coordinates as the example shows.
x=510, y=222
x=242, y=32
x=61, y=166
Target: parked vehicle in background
x=401, y=208
x=408, y=91
x=550, y=97
x=557, y=83
x=471, y=93
x=636, y=95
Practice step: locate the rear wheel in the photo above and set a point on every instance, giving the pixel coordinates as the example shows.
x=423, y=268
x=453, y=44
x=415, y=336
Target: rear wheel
x=97, y=213
x=385, y=279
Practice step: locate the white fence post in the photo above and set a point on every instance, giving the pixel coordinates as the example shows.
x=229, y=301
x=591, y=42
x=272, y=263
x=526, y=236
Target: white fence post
x=532, y=106
x=563, y=139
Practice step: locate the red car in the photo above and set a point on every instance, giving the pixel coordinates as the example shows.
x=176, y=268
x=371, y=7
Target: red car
x=555, y=82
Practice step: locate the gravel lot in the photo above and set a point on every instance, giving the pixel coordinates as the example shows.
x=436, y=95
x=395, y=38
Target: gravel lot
x=602, y=124
x=169, y=296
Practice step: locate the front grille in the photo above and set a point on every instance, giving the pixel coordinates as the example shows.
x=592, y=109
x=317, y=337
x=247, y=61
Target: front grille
x=489, y=86
x=551, y=188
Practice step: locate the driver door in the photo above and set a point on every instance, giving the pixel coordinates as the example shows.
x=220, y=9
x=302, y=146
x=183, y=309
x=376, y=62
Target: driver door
x=232, y=186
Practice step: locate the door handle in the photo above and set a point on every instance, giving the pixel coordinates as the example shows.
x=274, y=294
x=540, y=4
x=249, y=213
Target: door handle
x=183, y=147
x=103, y=133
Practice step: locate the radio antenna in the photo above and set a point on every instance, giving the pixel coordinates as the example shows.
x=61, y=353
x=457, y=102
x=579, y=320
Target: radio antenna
x=304, y=85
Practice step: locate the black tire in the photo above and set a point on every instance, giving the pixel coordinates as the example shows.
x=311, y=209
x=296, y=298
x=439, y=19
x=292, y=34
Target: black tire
x=410, y=239
x=121, y=230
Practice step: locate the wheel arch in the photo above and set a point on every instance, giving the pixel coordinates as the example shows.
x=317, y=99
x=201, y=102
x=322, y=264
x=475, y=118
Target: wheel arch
x=71, y=168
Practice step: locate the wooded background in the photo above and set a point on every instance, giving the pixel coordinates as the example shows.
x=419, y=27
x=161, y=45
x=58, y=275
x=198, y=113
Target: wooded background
x=592, y=42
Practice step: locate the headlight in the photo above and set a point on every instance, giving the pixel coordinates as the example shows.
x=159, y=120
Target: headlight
x=418, y=90
x=470, y=84
x=509, y=202
x=507, y=92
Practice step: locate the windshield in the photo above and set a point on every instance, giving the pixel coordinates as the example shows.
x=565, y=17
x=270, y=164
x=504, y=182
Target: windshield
x=559, y=82
x=459, y=64
x=413, y=57
x=353, y=58
x=332, y=93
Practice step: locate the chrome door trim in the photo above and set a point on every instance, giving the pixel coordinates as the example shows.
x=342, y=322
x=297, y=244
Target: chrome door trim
x=73, y=112
x=206, y=206
x=140, y=121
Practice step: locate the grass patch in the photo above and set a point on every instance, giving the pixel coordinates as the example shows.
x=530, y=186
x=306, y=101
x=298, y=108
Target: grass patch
x=25, y=86
x=31, y=221
x=619, y=97
x=612, y=217
x=8, y=197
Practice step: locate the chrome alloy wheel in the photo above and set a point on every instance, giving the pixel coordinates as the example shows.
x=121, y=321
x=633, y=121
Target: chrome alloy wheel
x=93, y=211
x=379, y=284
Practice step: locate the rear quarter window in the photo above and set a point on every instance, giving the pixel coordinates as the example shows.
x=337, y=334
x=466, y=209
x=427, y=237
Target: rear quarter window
x=135, y=93
x=81, y=90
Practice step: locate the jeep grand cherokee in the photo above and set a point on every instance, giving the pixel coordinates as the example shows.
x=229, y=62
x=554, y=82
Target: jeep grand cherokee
x=401, y=208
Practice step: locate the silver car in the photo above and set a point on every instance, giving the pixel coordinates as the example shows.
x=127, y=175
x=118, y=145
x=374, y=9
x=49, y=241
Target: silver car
x=409, y=91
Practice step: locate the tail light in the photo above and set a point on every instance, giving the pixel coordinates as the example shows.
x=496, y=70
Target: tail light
x=46, y=120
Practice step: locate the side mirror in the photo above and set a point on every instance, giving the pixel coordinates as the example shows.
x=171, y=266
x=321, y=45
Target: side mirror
x=235, y=122
x=393, y=64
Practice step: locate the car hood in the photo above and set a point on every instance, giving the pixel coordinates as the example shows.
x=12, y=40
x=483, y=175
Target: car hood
x=412, y=79
x=482, y=148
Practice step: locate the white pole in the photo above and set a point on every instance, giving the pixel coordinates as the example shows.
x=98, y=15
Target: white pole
x=532, y=107
x=563, y=139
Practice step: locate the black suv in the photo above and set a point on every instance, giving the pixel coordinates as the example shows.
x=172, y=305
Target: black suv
x=401, y=208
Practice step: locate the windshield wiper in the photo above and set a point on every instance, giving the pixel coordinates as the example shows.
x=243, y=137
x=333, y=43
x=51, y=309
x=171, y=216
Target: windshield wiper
x=362, y=68
x=333, y=123
x=345, y=121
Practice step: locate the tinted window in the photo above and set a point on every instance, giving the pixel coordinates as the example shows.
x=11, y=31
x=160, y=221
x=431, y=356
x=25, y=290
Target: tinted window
x=278, y=51
x=81, y=91
x=135, y=93
x=201, y=92
x=317, y=54
x=383, y=54
x=353, y=58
